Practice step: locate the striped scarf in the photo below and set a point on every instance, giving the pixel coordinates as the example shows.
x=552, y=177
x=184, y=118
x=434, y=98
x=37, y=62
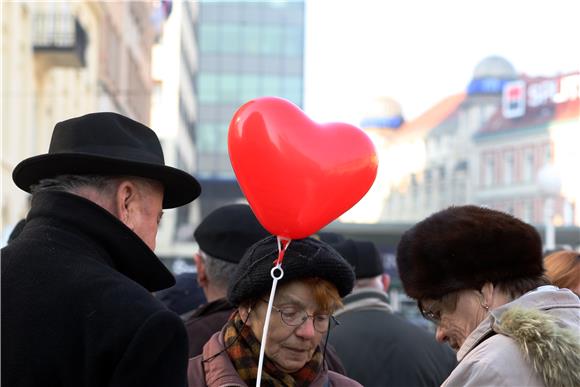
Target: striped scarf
x=243, y=349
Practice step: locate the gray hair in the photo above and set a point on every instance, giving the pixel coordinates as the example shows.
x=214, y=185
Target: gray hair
x=218, y=272
x=72, y=183
x=105, y=184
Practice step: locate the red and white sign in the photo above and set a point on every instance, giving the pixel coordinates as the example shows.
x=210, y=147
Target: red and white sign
x=514, y=99
x=517, y=94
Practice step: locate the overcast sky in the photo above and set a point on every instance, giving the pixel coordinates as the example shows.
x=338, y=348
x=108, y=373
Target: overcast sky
x=419, y=51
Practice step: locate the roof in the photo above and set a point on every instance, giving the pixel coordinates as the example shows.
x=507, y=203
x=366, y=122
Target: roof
x=434, y=116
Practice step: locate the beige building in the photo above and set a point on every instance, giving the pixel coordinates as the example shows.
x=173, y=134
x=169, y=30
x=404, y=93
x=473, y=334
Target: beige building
x=174, y=114
x=64, y=59
x=487, y=147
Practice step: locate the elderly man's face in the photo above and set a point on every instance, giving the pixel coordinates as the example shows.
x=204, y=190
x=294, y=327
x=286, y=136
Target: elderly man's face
x=289, y=347
x=455, y=324
x=146, y=211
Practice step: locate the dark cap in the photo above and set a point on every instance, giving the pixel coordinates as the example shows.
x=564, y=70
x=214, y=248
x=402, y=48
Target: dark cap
x=227, y=232
x=304, y=258
x=463, y=248
x=363, y=256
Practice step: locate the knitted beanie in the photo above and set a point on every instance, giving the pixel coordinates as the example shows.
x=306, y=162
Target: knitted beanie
x=304, y=258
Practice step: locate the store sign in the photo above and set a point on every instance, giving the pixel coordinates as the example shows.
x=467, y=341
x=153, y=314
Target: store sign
x=518, y=95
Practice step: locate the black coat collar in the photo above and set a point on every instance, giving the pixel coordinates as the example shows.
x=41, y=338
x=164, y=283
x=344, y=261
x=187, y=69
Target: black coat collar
x=116, y=244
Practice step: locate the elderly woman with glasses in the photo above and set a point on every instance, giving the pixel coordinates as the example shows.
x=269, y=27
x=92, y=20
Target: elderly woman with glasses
x=315, y=279
x=477, y=273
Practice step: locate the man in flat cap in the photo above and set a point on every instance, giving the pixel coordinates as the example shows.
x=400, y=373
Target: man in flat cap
x=77, y=283
x=223, y=237
x=377, y=347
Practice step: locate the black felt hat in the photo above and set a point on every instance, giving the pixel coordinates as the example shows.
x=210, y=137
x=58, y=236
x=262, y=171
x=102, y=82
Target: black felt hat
x=304, y=258
x=107, y=144
x=463, y=248
x=363, y=256
x=227, y=232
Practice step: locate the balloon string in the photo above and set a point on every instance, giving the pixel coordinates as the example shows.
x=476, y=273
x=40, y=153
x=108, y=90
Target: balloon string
x=276, y=273
x=283, y=244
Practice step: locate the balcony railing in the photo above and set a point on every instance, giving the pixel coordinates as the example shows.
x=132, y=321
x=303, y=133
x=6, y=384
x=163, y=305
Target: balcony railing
x=60, y=39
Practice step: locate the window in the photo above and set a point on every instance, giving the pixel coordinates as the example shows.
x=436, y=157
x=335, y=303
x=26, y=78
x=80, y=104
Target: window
x=230, y=39
x=508, y=168
x=528, y=167
x=272, y=43
x=228, y=88
x=271, y=85
x=489, y=171
x=250, y=40
x=249, y=87
x=208, y=38
x=208, y=88
x=293, y=42
x=528, y=211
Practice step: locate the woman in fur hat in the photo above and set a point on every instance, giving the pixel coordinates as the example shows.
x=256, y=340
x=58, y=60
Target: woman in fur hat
x=315, y=278
x=478, y=274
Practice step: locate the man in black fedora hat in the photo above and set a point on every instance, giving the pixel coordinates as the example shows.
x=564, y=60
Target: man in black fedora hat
x=77, y=283
x=377, y=347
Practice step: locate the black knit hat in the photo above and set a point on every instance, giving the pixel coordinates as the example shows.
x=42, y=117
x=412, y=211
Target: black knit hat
x=304, y=258
x=107, y=144
x=227, y=232
x=465, y=247
x=363, y=256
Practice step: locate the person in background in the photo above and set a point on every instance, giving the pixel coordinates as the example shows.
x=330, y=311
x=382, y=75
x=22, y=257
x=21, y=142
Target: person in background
x=478, y=274
x=77, y=282
x=223, y=237
x=183, y=297
x=16, y=230
x=563, y=269
x=377, y=347
x=309, y=292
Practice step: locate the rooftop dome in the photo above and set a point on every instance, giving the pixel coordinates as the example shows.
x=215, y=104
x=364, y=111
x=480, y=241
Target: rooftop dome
x=494, y=67
x=383, y=112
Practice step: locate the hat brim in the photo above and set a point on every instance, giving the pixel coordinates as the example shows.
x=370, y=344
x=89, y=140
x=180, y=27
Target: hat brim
x=180, y=187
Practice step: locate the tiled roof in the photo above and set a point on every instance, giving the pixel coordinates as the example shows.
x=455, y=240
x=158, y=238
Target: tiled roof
x=434, y=116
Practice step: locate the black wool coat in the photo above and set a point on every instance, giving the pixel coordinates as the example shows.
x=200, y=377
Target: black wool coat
x=379, y=349
x=77, y=308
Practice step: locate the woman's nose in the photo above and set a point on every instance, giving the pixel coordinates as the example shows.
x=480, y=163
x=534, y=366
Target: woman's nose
x=306, y=329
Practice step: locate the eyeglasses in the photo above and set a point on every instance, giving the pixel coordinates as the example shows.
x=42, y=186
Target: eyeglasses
x=432, y=312
x=294, y=317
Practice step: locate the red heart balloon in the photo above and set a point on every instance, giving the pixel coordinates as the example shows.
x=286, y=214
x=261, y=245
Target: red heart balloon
x=298, y=175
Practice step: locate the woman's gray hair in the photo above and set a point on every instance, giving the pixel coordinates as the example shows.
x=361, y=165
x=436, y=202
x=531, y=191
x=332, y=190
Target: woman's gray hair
x=218, y=272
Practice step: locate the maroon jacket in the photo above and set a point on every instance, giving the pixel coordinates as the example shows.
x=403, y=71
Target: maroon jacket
x=204, y=322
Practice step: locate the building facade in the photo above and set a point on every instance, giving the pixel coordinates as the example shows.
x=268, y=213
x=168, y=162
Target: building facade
x=174, y=115
x=485, y=147
x=65, y=59
x=246, y=50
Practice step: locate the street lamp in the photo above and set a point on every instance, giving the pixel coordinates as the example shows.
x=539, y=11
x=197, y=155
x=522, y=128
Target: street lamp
x=549, y=182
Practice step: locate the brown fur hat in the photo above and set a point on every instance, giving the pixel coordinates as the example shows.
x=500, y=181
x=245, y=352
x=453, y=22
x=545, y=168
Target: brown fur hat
x=464, y=247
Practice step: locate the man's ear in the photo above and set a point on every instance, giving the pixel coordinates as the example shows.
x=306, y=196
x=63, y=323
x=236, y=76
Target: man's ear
x=126, y=197
x=201, y=275
x=386, y=280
